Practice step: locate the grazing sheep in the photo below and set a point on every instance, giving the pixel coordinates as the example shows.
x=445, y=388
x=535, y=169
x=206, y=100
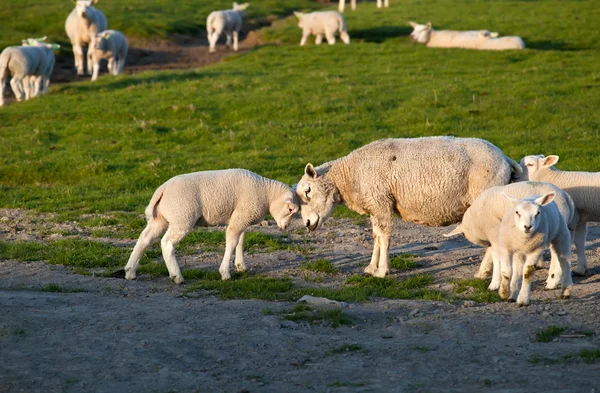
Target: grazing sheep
x=25, y=64
x=82, y=22
x=481, y=224
x=502, y=43
x=228, y=22
x=528, y=227
x=42, y=82
x=108, y=45
x=342, y=4
x=322, y=23
x=429, y=180
x=581, y=186
x=236, y=197
x=471, y=39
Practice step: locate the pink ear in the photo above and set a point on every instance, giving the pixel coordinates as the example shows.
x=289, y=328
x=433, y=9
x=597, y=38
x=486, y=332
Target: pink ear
x=549, y=161
x=545, y=199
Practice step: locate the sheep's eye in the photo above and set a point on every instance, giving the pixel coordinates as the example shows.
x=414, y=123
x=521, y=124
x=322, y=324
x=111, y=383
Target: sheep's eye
x=306, y=194
x=518, y=214
x=529, y=165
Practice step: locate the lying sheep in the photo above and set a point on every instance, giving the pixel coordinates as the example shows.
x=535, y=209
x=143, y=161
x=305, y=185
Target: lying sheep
x=322, y=23
x=502, y=43
x=481, y=224
x=42, y=82
x=228, y=22
x=25, y=64
x=83, y=21
x=108, y=45
x=342, y=4
x=236, y=197
x=528, y=227
x=583, y=188
x=471, y=39
x=429, y=180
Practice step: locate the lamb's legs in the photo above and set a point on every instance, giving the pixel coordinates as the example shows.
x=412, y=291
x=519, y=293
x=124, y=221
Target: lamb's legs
x=506, y=273
x=319, y=39
x=212, y=41
x=78, y=54
x=90, y=61
x=330, y=37
x=26, y=84
x=554, y=272
x=305, y=35
x=341, y=5
x=528, y=273
x=96, y=70
x=386, y=3
x=372, y=268
x=562, y=246
x=580, y=235
x=235, y=40
x=2, y=85
x=112, y=66
x=228, y=40
x=516, y=277
x=232, y=237
x=382, y=228
x=17, y=87
x=486, y=267
x=168, y=243
x=353, y=5
x=378, y=3
x=239, y=254
x=345, y=37
x=496, y=272
x=153, y=230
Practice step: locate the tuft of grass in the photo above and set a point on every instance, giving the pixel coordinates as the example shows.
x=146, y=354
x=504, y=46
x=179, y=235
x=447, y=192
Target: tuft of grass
x=59, y=289
x=548, y=334
x=421, y=348
x=475, y=289
x=590, y=356
x=303, y=312
x=402, y=261
x=339, y=384
x=319, y=265
x=347, y=348
x=412, y=287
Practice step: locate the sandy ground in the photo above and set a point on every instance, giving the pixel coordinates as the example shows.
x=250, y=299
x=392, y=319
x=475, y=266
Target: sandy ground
x=148, y=335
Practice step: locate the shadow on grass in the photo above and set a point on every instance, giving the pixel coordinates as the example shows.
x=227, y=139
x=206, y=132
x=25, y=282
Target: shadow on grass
x=552, y=45
x=380, y=33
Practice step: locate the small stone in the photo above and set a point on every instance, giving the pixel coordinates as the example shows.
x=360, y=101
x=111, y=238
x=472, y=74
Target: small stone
x=561, y=313
x=4, y=219
x=469, y=303
x=546, y=314
x=414, y=312
x=264, y=223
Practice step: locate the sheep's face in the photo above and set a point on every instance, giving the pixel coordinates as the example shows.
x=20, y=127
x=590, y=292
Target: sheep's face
x=99, y=41
x=82, y=7
x=533, y=164
x=421, y=33
x=527, y=213
x=240, y=7
x=284, y=209
x=317, y=198
x=300, y=15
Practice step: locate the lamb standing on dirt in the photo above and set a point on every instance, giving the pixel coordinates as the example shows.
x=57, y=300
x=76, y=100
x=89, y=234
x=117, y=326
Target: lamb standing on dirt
x=25, y=64
x=583, y=188
x=81, y=22
x=527, y=229
x=108, y=45
x=236, y=197
x=42, y=83
x=322, y=23
x=481, y=225
x=471, y=39
x=226, y=21
x=429, y=180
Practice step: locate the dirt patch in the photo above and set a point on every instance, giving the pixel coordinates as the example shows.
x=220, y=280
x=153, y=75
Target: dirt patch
x=148, y=335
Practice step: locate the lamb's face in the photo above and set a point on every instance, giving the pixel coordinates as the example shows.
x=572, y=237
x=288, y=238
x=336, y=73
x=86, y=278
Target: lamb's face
x=528, y=213
x=240, y=7
x=99, y=41
x=533, y=164
x=82, y=7
x=300, y=17
x=317, y=200
x=420, y=33
x=284, y=209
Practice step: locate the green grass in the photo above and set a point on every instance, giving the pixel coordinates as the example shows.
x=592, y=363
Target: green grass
x=475, y=289
x=303, y=312
x=548, y=334
x=412, y=287
x=347, y=348
x=585, y=355
x=320, y=266
x=60, y=289
x=402, y=261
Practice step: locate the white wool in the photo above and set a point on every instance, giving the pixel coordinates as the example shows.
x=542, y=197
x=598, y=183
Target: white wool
x=108, y=45
x=502, y=43
x=83, y=21
x=235, y=197
x=41, y=83
x=26, y=65
x=322, y=23
x=429, y=180
x=225, y=21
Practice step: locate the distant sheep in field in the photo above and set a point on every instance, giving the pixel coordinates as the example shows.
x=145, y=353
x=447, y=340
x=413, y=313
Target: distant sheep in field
x=528, y=227
x=83, y=21
x=342, y=4
x=584, y=188
x=225, y=21
x=43, y=82
x=108, y=45
x=430, y=181
x=322, y=23
x=236, y=197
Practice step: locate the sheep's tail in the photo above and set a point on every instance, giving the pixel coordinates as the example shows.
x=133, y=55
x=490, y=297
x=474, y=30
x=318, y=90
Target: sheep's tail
x=517, y=171
x=457, y=231
x=151, y=209
x=209, y=23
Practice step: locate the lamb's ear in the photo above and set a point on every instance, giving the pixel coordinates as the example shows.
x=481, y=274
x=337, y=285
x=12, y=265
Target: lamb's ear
x=298, y=14
x=310, y=171
x=412, y=24
x=428, y=25
x=545, y=199
x=457, y=231
x=549, y=161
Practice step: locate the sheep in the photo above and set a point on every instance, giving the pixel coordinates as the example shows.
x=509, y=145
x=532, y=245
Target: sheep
x=236, y=197
x=83, y=21
x=502, y=43
x=581, y=186
x=108, y=45
x=43, y=82
x=227, y=21
x=528, y=227
x=322, y=22
x=342, y=4
x=429, y=180
x=481, y=223
x=25, y=64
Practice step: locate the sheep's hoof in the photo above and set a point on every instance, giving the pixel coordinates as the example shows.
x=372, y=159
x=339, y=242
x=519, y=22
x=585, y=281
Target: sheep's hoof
x=381, y=273
x=177, y=279
x=129, y=275
x=240, y=268
x=225, y=276
x=581, y=272
x=566, y=294
x=371, y=270
x=494, y=287
x=551, y=285
x=483, y=275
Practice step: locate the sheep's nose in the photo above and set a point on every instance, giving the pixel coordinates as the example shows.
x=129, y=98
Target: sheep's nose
x=527, y=228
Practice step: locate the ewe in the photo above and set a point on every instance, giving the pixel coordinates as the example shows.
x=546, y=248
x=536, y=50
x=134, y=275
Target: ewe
x=528, y=227
x=236, y=197
x=481, y=224
x=108, y=45
x=42, y=83
x=82, y=22
x=228, y=22
x=322, y=23
x=429, y=180
x=583, y=187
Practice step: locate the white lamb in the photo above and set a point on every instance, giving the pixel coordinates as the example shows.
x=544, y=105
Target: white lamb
x=342, y=4
x=322, y=23
x=108, y=45
x=42, y=82
x=81, y=22
x=528, y=227
x=502, y=43
x=236, y=197
x=481, y=224
x=226, y=21
x=426, y=34
x=25, y=64
x=583, y=188
x=429, y=180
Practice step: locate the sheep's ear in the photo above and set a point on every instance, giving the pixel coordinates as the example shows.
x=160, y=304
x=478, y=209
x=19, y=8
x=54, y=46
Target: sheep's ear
x=428, y=25
x=549, y=161
x=310, y=171
x=298, y=14
x=412, y=24
x=457, y=231
x=545, y=199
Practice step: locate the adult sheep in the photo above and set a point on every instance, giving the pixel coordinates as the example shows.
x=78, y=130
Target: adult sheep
x=430, y=181
x=83, y=21
x=225, y=21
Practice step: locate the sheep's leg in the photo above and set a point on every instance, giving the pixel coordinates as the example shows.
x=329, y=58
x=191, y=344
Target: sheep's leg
x=562, y=246
x=554, y=272
x=168, y=243
x=496, y=272
x=506, y=274
x=235, y=40
x=486, y=267
x=17, y=87
x=372, y=268
x=2, y=84
x=528, y=273
x=36, y=85
x=212, y=41
x=345, y=37
x=228, y=40
x=240, y=266
x=342, y=5
x=330, y=37
x=112, y=66
x=232, y=238
x=516, y=277
x=27, y=83
x=386, y=3
x=153, y=230
x=378, y=3
x=353, y=5
x=90, y=61
x=580, y=235
x=319, y=39
x=382, y=228
x=305, y=35
x=46, y=83
x=96, y=69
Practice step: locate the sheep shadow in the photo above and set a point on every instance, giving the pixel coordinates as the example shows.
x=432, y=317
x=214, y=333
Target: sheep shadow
x=551, y=45
x=380, y=34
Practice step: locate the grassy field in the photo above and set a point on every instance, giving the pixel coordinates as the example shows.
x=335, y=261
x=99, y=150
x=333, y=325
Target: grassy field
x=104, y=147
